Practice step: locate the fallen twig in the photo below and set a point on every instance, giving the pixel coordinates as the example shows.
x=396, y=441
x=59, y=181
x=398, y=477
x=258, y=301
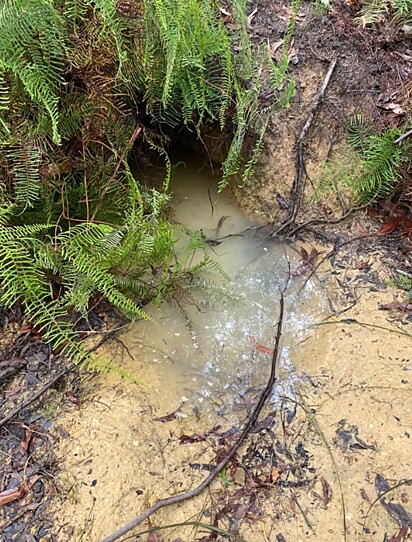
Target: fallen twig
x=402, y=137
x=333, y=252
x=52, y=382
x=298, y=185
x=313, y=420
x=12, y=366
x=380, y=498
x=327, y=220
x=250, y=424
x=36, y=395
x=349, y=321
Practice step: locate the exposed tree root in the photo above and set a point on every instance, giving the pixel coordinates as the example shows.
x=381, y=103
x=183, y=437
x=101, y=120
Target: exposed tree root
x=299, y=184
x=250, y=424
x=316, y=221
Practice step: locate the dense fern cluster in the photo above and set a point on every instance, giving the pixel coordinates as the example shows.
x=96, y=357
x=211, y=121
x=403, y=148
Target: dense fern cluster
x=32, y=51
x=372, y=166
x=373, y=11
x=190, y=73
x=81, y=82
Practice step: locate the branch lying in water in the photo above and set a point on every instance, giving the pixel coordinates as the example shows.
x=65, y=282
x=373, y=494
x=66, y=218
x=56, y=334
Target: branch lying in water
x=250, y=424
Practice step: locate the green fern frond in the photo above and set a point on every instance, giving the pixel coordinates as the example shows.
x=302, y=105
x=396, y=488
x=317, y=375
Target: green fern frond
x=85, y=247
x=4, y=106
x=358, y=132
x=102, y=365
x=257, y=150
x=241, y=41
x=25, y=160
x=381, y=162
x=372, y=166
x=373, y=11
x=216, y=293
x=32, y=47
x=107, y=9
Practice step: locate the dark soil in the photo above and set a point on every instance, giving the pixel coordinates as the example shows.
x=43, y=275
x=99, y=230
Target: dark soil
x=372, y=77
x=28, y=465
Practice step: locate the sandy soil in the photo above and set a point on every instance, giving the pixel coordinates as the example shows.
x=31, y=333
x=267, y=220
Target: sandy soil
x=353, y=422
x=346, y=426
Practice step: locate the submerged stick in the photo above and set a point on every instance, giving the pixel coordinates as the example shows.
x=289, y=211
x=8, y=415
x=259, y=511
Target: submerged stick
x=250, y=423
x=298, y=185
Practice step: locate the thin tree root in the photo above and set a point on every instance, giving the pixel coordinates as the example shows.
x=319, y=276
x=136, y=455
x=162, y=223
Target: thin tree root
x=298, y=185
x=250, y=424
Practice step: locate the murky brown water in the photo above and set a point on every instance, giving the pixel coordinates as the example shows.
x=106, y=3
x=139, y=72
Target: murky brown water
x=203, y=351
x=118, y=459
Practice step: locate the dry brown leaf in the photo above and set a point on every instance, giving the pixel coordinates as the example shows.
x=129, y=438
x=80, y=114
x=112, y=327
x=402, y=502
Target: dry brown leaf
x=27, y=439
x=227, y=19
x=153, y=537
x=388, y=228
x=401, y=535
x=275, y=46
x=326, y=491
x=275, y=474
x=10, y=495
x=363, y=231
x=394, y=107
x=396, y=306
x=292, y=53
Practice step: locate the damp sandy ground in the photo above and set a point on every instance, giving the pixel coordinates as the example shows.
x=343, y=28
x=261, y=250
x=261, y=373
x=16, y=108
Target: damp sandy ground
x=341, y=409
x=117, y=461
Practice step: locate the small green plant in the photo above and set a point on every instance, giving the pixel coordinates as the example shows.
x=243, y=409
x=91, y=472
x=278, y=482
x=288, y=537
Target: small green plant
x=372, y=166
x=404, y=282
x=373, y=11
x=224, y=478
x=322, y=6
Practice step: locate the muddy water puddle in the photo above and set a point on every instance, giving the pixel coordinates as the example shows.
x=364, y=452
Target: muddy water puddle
x=313, y=474
x=202, y=351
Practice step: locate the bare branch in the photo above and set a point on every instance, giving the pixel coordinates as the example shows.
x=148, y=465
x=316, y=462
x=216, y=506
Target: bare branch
x=250, y=424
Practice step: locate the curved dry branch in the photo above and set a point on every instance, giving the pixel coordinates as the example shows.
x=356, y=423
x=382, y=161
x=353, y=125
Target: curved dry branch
x=250, y=424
